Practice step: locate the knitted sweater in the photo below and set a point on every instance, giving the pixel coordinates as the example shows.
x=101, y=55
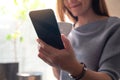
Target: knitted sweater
x=97, y=44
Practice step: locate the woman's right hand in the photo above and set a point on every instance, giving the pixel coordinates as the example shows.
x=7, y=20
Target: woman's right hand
x=64, y=59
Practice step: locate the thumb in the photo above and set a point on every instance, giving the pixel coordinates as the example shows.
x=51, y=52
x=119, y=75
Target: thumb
x=66, y=42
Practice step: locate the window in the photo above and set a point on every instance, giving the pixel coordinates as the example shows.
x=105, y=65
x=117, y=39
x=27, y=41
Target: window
x=17, y=41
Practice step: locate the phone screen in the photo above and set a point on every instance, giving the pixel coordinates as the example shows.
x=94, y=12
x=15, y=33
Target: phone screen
x=46, y=27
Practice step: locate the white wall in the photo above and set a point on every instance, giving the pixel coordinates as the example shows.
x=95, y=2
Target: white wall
x=114, y=7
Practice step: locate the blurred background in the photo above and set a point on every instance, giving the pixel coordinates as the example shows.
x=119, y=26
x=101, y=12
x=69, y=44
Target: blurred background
x=18, y=38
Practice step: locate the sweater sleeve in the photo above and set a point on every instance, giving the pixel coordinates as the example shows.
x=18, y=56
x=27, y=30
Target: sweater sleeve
x=110, y=59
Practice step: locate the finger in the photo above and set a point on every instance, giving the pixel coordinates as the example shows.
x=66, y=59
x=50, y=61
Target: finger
x=48, y=56
x=43, y=58
x=46, y=59
x=44, y=52
x=38, y=46
x=40, y=42
x=46, y=47
x=66, y=42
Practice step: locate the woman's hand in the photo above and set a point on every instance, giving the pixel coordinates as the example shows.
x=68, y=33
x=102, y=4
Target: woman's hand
x=64, y=59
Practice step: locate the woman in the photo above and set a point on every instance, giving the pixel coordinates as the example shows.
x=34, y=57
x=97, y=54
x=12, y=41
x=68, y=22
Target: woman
x=92, y=49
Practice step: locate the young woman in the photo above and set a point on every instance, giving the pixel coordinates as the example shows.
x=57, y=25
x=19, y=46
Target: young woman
x=92, y=49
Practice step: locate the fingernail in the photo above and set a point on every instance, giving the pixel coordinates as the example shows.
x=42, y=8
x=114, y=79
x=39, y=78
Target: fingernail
x=41, y=44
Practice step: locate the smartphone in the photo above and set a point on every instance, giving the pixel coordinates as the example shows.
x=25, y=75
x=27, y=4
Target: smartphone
x=46, y=27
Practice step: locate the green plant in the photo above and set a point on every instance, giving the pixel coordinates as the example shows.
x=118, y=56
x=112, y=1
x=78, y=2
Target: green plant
x=20, y=13
x=24, y=6
x=14, y=37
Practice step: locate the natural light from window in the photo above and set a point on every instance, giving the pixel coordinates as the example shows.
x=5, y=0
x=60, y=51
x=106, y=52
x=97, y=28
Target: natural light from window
x=18, y=38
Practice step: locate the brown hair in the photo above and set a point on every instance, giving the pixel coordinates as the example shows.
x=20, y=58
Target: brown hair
x=99, y=7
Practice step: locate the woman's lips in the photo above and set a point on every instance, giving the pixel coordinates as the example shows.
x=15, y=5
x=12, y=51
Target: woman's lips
x=74, y=6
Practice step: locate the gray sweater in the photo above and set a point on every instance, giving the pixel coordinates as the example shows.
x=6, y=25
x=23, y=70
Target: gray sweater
x=97, y=44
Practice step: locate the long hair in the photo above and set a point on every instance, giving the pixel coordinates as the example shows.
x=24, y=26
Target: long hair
x=98, y=6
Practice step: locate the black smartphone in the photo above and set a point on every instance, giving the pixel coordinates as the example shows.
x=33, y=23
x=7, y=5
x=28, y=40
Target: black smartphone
x=46, y=27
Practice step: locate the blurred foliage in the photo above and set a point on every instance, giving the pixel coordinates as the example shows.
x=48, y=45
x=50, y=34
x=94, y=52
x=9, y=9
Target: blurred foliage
x=20, y=10
x=24, y=6
x=14, y=36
